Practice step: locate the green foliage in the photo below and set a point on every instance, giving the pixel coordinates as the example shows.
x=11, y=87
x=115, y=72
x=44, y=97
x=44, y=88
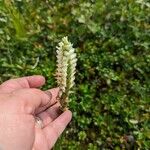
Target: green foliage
x=112, y=95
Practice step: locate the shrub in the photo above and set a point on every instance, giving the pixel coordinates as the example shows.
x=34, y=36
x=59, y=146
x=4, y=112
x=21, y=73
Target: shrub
x=111, y=101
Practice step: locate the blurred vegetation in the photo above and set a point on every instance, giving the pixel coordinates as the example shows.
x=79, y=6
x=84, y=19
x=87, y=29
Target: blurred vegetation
x=111, y=103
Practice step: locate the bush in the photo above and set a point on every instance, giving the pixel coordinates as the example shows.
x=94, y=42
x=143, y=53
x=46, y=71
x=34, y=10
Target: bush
x=111, y=101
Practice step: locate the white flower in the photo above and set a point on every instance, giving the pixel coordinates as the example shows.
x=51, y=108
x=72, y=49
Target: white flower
x=65, y=72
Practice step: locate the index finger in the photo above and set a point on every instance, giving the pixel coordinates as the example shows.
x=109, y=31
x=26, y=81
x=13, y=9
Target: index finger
x=52, y=93
x=31, y=101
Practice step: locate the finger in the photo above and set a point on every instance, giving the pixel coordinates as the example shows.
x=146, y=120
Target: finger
x=31, y=81
x=54, y=111
x=52, y=93
x=40, y=142
x=53, y=130
x=50, y=114
x=24, y=82
x=31, y=100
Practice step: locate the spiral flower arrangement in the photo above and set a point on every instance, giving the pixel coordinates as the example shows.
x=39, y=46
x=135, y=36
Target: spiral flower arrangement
x=65, y=72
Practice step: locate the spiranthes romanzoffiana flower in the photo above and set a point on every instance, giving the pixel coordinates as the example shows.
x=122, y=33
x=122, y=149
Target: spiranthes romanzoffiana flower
x=65, y=72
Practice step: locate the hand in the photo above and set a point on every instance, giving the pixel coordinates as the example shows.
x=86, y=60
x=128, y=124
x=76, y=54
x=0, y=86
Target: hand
x=20, y=102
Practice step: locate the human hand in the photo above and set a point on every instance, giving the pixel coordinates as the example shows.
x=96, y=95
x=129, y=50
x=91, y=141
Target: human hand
x=20, y=102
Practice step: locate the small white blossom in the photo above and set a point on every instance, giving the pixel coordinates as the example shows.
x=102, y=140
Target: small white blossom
x=65, y=72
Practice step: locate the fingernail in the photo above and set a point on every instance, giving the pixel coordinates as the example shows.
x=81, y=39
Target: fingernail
x=49, y=94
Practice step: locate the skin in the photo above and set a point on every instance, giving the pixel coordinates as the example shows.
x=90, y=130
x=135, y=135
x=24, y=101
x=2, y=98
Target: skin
x=20, y=102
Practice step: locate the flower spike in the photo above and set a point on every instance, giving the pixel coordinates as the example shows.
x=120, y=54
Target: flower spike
x=65, y=72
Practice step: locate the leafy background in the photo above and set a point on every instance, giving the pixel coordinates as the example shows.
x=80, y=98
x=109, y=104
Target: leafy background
x=111, y=102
